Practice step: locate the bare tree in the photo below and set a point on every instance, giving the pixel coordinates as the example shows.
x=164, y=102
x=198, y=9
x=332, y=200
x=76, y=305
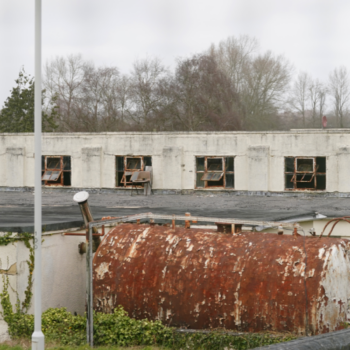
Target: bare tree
x=266, y=82
x=88, y=98
x=232, y=56
x=145, y=89
x=122, y=101
x=340, y=91
x=97, y=99
x=203, y=98
x=317, y=96
x=300, y=94
x=260, y=80
x=322, y=95
x=63, y=79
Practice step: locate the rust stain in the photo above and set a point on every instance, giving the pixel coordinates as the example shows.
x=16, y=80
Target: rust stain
x=199, y=278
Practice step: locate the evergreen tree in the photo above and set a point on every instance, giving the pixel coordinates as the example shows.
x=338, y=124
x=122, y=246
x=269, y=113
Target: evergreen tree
x=17, y=115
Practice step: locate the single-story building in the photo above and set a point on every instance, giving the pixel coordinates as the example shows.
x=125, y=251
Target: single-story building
x=277, y=161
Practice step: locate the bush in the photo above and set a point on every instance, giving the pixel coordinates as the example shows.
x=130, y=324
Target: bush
x=118, y=329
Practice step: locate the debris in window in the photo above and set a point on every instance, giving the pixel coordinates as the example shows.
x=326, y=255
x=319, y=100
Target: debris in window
x=212, y=176
x=305, y=173
x=214, y=172
x=127, y=166
x=56, y=170
x=133, y=163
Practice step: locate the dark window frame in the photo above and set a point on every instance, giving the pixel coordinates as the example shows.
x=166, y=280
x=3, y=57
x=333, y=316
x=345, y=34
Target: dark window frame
x=221, y=181
x=124, y=180
x=298, y=176
x=65, y=172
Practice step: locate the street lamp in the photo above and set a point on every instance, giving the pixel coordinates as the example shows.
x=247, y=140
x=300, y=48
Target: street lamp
x=38, y=339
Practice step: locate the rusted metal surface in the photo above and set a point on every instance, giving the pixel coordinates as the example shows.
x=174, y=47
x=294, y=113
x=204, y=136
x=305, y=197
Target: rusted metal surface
x=86, y=214
x=187, y=222
x=335, y=221
x=202, y=279
x=84, y=234
x=194, y=219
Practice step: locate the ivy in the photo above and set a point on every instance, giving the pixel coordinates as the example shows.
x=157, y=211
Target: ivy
x=13, y=317
x=28, y=292
x=7, y=239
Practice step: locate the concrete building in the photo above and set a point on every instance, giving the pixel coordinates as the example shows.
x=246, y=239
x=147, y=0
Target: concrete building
x=279, y=162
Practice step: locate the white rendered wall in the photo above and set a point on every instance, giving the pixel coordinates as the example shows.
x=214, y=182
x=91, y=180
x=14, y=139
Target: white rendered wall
x=15, y=166
x=63, y=272
x=259, y=156
x=258, y=168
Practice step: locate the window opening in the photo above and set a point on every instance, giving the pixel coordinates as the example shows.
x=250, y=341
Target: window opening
x=133, y=163
x=56, y=170
x=126, y=166
x=214, y=172
x=305, y=173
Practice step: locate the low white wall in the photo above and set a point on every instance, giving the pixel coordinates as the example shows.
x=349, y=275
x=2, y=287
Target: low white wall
x=259, y=157
x=63, y=272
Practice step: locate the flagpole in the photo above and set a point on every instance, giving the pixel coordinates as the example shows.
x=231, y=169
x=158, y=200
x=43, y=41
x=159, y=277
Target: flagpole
x=38, y=340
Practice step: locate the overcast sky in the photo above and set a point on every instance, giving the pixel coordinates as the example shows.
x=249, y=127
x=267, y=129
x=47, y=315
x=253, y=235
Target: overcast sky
x=312, y=34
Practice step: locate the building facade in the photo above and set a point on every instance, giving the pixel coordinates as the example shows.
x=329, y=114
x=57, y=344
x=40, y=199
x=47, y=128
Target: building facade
x=283, y=162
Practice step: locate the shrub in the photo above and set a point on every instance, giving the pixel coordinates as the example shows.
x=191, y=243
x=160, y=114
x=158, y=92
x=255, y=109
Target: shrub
x=118, y=329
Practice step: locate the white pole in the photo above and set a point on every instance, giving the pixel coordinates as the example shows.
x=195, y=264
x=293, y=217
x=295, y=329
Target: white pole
x=38, y=340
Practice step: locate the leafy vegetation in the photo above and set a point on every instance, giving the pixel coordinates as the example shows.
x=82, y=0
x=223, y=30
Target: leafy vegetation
x=17, y=115
x=26, y=345
x=117, y=329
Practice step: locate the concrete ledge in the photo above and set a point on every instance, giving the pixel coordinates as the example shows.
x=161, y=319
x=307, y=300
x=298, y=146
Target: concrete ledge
x=339, y=340
x=226, y=192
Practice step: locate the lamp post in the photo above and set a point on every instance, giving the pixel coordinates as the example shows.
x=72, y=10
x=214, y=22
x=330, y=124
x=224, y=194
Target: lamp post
x=38, y=340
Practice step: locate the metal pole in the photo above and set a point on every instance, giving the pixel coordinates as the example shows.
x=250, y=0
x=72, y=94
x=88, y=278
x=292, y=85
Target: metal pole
x=90, y=328
x=38, y=339
x=87, y=286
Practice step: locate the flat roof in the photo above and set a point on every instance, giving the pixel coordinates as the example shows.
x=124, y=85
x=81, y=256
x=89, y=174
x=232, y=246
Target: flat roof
x=61, y=212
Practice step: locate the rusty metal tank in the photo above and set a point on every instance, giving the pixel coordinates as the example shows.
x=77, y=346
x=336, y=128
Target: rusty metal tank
x=202, y=279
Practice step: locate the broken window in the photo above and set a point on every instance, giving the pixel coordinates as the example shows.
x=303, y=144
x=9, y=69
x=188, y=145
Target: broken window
x=305, y=173
x=215, y=172
x=127, y=165
x=56, y=170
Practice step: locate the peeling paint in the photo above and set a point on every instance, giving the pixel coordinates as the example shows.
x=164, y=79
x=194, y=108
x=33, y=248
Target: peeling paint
x=12, y=270
x=101, y=270
x=201, y=279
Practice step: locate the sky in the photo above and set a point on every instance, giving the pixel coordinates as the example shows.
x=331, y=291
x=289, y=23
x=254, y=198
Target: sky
x=312, y=34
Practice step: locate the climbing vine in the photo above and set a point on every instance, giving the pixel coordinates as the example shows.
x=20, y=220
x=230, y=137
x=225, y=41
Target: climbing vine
x=28, y=292
x=12, y=317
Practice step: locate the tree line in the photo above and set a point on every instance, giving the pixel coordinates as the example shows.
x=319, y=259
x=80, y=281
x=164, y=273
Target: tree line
x=230, y=86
